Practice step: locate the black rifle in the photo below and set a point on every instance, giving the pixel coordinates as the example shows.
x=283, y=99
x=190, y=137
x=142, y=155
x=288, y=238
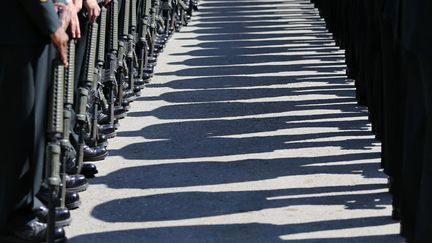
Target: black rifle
x=53, y=149
x=131, y=57
x=183, y=8
x=167, y=10
x=122, y=71
x=67, y=149
x=84, y=91
x=142, y=48
x=98, y=102
x=151, y=38
x=111, y=64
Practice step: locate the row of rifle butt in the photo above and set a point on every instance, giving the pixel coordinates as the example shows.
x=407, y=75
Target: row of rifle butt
x=109, y=67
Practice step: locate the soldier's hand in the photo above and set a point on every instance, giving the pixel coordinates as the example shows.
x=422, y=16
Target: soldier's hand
x=65, y=15
x=93, y=9
x=60, y=40
x=106, y=2
x=74, y=25
x=78, y=5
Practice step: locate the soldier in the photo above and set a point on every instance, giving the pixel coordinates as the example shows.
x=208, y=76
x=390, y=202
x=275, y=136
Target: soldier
x=415, y=40
x=24, y=55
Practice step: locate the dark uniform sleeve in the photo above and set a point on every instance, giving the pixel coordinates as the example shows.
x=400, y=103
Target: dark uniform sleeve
x=43, y=14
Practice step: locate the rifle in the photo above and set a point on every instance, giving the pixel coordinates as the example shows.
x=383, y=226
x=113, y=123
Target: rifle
x=152, y=31
x=111, y=65
x=53, y=149
x=195, y=4
x=98, y=101
x=183, y=8
x=88, y=79
x=131, y=58
x=142, y=46
x=123, y=72
x=150, y=38
x=160, y=22
x=69, y=92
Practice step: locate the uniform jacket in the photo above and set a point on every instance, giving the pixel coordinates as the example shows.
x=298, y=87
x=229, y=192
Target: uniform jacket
x=27, y=22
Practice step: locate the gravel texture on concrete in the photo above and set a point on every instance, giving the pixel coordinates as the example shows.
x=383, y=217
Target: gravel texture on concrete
x=249, y=132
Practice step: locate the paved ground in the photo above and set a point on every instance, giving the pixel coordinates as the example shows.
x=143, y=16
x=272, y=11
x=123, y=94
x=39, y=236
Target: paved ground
x=250, y=133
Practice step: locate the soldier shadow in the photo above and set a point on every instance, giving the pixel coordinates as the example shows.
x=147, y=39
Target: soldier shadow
x=203, y=137
x=238, y=3
x=257, y=11
x=236, y=233
x=212, y=95
x=262, y=36
x=220, y=122
x=238, y=60
x=220, y=82
x=235, y=44
x=200, y=139
x=335, y=67
x=198, y=204
x=203, y=27
x=252, y=28
x=234, y=40
x=197, y=110
x=170, y=175
x=264, y=43
x=210, y=26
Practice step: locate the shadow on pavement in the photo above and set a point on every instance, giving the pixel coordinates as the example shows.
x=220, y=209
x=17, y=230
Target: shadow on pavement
x=240, y=49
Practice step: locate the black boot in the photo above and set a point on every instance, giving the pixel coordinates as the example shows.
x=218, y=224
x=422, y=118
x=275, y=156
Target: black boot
x=76, y=183
x=33, y=232
x=62, y=216
x=120, y=112
x=108, y=130
x=72, y=199
x=89, y=170
x=95, y=153
x=101, y=139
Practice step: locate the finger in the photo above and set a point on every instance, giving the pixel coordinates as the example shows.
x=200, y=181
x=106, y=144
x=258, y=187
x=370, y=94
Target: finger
x=97, y=12
x=78, y=32
x=63, y=57
x=65, y=48
x=94, y=15
x=60, y=5
x=91, y=16
x=74, y=28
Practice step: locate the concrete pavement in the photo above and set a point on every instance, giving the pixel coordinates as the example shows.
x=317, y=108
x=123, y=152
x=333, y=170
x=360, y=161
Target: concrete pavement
x=249, y=132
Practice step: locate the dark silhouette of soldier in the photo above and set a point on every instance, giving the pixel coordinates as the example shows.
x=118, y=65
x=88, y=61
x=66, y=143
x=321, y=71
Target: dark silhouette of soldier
x=28, y=27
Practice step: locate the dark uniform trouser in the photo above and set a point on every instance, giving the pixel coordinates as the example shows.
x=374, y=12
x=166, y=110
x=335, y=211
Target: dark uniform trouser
x=417, y=167
x=423, y=222
x=393, y=108
x=24, y=84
